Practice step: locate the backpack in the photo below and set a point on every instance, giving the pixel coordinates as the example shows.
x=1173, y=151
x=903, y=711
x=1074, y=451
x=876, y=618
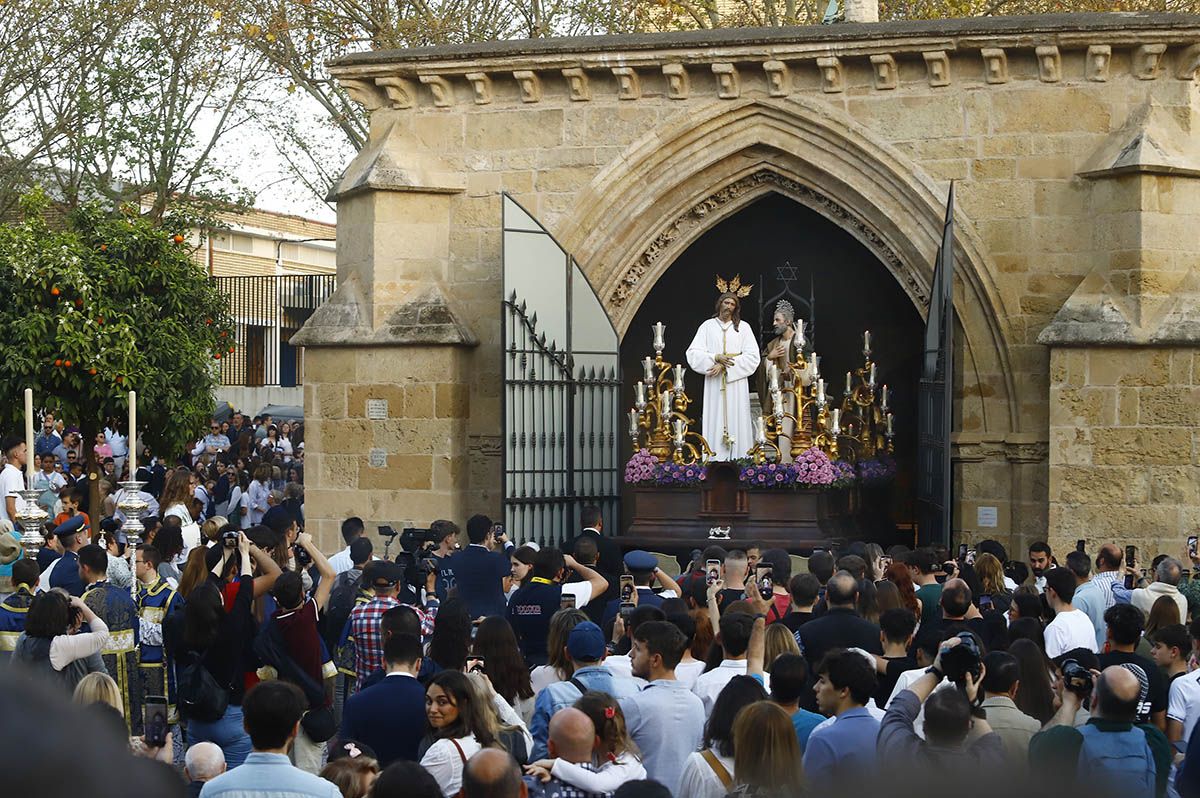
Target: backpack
x=1121, y=762
x=200, y=697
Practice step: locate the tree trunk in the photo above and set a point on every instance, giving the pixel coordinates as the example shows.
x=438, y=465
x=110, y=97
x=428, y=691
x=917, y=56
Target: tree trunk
x=92, y=469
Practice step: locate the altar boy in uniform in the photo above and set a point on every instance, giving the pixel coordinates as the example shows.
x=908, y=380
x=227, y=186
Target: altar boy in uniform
x=119, y=611
x=156, y=601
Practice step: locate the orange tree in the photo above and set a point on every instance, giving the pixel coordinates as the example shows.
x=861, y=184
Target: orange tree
x=100, y=303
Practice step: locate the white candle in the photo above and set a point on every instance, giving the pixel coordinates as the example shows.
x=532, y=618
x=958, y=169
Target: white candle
x=849, y=383
x=816, y=365
x=773, y=377
x=867, y=340
x=800, y=335
x=29, y=469
x=133, y=434
x=660, y=336
x=837, y=417
x=679, y=376
x=820, y=392
x=666, y=406
x=872, y=381
x=633, y=423
x=777, y=402
x=884, y=397
x=677, y=426
x=648, y=369
x=760, y=431
x=889, y=423
x=639, y=394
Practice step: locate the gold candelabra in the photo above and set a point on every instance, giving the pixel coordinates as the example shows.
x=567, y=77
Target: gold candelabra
x=659, y=421
x=866, y=418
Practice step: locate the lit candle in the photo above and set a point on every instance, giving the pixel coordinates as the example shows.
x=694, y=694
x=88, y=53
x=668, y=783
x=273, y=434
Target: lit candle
x=677, y=426
x=884, y=398
x=760, y=431
x=639, y=395
x=872, y=380
x=837, y=419
x=679, y=376
x=133, y=435
x=849, y=384
x=773, y=377
x=29, y=469
x=800, y=335
x=866, y=340
x=777, y=402
x=816, y=365
x=633, y=423
x=666, y=406
x=820, y=392
x=648, y=369
x=660, y=336
x=889, y=423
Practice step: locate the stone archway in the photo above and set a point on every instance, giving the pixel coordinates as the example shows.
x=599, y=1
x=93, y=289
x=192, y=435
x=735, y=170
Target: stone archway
x=643, y=210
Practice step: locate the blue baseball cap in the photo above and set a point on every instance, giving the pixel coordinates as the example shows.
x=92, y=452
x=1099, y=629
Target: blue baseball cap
x=585, y=643
x=641, y=562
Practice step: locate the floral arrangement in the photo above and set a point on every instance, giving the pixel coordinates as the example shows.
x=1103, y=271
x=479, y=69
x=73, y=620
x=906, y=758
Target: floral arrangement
x=844, y=475
x=644, y=469
x=877, y=470
x=813, y=468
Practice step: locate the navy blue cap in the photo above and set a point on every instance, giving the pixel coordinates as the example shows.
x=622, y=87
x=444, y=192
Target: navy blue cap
x=641, y=562
x=70, y=526
x=586, y=643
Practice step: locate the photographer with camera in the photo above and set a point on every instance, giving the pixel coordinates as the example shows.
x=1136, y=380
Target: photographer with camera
x=481, y=568
x=1112, y=751
x=958, y=740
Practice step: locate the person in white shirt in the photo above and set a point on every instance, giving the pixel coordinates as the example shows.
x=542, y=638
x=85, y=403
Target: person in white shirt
x=1071, y=628
x=734, y=638
x=458, y=727
x=11, y=479
x=352, y=529
x=49, y=482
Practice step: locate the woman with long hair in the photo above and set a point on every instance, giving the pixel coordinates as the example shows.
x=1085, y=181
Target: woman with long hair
x=1026, y=603
x=709, y=772
x=702, y=643
x=766, y=757
x=175, y=501
x=992, y=592
x=195, y=572
x=1163, y=612
x=451, y=637
x=505, y=667
x=284, y=447
x=887, y=597
x=779, y=640
x=874, y=558
x=99, y=688
x=169, y=542
x=512, y=733
x=1035, y=695
x=354, y=776
x=897, y=574
x=615, y=759
x=258, y=491
x=558, y=667
x=522, y=568
x=271, y=442
x=52, y=645
x=459, y=726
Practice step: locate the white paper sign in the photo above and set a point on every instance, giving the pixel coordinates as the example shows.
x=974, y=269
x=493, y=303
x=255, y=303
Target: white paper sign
x=986, y=518
x=377, y=409
x=378, y=458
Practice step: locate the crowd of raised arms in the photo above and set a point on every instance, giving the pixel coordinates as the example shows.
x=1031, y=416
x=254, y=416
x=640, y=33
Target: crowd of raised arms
x=226, y=655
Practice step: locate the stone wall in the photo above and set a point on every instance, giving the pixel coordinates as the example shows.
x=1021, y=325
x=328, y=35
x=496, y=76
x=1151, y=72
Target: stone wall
x=1125, y=448
x=627, y=149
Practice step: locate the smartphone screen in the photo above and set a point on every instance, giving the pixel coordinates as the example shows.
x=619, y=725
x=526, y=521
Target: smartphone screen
x=764, y=580
x=1081, y=545
x=626, y=587
x=712, y=572
x=962, y=552
x=970, y=557
x=627, y=608
x=1130, y=555
x=567, y=602
x=985, y=602
x=475, y=664
x=1192, y=546
x=154, y=716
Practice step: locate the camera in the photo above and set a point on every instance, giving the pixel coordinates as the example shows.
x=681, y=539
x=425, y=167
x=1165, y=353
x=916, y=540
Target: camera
x=1077, y=678
x=962, y=659
x=413, y=540
x=229, y=538
x=303, y=558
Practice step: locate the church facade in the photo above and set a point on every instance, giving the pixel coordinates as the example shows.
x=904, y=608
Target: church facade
x=1073, y=147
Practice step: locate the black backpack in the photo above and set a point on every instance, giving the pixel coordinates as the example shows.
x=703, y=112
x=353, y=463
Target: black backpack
x=200, y=697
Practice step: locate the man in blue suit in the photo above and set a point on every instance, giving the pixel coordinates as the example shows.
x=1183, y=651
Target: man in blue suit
x=479, y=571
x=390, y=717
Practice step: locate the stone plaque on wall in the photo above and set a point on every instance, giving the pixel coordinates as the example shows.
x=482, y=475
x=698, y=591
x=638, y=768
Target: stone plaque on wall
x=377, y=409
x=378, y=458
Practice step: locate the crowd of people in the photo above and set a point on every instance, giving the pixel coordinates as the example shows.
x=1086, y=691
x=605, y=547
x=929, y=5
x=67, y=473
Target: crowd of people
x=246, y=662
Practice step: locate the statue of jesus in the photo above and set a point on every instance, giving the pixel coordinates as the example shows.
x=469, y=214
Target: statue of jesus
x=726, y=353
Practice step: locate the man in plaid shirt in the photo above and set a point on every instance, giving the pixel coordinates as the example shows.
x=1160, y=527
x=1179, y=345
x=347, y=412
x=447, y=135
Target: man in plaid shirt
x=365, y=619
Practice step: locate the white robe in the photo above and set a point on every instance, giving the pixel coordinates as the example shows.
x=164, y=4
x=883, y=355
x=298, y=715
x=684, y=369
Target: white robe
x=714, y=338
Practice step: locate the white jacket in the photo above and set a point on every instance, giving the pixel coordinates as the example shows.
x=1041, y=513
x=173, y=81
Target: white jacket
x=1144, y=597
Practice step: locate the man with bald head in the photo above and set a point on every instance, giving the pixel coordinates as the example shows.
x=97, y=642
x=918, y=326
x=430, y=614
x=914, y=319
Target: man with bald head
x=202, y=763
x=572, y=738
x=957, y=608
x=493, y=773
x=1113, y=750
x=841, y=626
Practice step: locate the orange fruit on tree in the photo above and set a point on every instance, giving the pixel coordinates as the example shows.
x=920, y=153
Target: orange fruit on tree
x=58, y=362
x=104, y=247
x=78, y=303
x=217, y=356
x=120, y=379
x=177, y=238
x=92, y=371
x=54, y=292
x=231, y=349
x=67, y=363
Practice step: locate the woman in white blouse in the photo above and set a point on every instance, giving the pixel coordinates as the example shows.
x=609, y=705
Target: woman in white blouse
x=48, y=646
x=284, y=445
x=260, y=488
x=459, y=727
x=176, y=499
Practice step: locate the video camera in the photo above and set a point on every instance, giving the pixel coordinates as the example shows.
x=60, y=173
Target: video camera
x=1077, y=678
x=415, y=545
x=962, y=659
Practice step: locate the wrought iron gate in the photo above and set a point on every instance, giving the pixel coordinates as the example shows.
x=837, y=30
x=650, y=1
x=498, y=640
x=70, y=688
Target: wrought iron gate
x=935, y=397
x=561, y=389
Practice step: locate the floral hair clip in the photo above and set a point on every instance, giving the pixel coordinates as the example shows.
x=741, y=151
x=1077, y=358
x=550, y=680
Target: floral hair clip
x=610, y=712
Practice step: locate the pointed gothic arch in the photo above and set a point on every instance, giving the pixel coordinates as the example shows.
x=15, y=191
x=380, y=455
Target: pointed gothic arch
x=660, y=195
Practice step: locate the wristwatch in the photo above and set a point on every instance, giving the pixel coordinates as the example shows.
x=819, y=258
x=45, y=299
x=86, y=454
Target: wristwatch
x=933, y=669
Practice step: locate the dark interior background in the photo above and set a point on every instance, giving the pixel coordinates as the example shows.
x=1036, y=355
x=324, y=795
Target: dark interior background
x=853, y=292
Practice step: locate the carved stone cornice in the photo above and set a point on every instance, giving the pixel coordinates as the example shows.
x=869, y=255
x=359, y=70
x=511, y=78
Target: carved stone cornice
x=954, y=52
x=696, y=216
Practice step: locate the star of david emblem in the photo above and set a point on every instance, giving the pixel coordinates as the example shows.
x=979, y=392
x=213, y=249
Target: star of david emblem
x=787, y=272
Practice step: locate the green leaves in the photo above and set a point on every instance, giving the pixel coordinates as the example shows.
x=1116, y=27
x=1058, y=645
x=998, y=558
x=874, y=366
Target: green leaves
x=102, y=303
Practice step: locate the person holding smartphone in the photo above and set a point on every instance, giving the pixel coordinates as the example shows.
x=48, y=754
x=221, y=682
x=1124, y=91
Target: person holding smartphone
x=480, y=569
x=643, y=570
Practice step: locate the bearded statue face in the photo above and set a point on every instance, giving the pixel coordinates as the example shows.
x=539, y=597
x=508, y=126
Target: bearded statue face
x=781, y=322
